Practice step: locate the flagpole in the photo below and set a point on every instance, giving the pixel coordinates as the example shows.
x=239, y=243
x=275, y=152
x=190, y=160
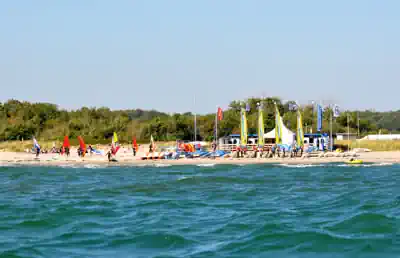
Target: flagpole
x=348, y=132
x=195, y=122
x=216, y=128
x=312, y=116
x=330, y=131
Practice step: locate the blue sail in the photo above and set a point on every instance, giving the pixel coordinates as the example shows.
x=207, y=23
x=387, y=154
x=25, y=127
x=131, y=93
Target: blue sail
x=319, y=117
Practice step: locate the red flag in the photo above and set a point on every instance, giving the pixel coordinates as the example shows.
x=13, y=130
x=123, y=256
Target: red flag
x=220, y=114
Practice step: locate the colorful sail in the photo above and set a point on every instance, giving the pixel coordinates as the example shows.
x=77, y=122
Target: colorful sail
x=300, y=131
x=134, y=143
x=82, y=145
x=115, y=144
x=278, y=126
x=152, y=143
x=261, y=126
x=243, y=127
x=319, y=118
x=35, y=143
x=66, y=143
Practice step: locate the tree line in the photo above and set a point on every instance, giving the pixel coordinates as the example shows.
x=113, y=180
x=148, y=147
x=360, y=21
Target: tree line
x=22, y=120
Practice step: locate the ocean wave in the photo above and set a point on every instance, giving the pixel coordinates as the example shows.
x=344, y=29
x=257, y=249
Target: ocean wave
x=161, y=165
x=366, y=165
x=226, y=211
x=301, y=165
x=364, y=223
x=206, y=165
x=92, y=166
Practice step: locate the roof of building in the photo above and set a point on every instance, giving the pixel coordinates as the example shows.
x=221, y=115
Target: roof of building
x=238, y=135
x=315, y=134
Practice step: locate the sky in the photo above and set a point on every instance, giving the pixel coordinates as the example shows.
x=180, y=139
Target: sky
x=179, y=55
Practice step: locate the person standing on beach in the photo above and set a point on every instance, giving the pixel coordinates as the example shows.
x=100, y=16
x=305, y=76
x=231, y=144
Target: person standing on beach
x=214, y=146
x=109, y=155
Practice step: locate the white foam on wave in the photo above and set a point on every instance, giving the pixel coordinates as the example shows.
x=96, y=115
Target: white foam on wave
x=206, y=165
x=161, y=165
x=366, y=165
x=300, y=165
x=68, y=166
x=383, y=164
x=183, y=178
x=92, y=166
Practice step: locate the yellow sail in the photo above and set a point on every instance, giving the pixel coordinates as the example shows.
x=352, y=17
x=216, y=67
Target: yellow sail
x=115, y=138
x=243, y=128
x=261, y=126
x=300, y=132
x=278, y=126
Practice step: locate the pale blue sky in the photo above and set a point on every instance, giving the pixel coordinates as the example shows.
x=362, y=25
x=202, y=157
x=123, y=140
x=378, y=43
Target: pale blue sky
x=159, y=54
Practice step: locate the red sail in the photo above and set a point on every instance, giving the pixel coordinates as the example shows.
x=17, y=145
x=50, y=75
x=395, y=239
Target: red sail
x=134, y=144
x=82, y=145
x=114, y=149
x=66, y=142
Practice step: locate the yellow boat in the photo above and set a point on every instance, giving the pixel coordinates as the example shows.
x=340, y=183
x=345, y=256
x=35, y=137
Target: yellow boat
x=354, y=161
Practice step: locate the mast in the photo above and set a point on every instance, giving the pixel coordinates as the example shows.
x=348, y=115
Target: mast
x=216, y=128
x=358, y=127
x=348, y=132
x=358, y=124
x=330, y=130
x=195, y=121
x=312, y=116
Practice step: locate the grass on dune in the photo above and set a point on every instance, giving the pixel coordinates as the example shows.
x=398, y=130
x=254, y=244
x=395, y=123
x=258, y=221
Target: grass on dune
x=379, y=145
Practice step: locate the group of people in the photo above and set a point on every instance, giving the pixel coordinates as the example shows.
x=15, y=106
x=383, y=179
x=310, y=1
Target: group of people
x=268, y=151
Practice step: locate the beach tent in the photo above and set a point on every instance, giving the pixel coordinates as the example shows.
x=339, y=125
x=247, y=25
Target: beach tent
x=288, y=137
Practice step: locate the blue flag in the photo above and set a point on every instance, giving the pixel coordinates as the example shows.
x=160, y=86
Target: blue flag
x=319, y=117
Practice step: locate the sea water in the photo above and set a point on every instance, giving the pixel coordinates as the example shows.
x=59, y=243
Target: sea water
x=331, y=210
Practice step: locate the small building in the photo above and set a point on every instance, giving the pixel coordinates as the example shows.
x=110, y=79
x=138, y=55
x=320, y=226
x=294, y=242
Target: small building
x=346, y=136
x=234, y=139
x=320, y=140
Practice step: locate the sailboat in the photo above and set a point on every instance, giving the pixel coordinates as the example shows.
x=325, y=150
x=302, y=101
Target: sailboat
x=152, y=144
x=66, y=146
x=135, y=145
x=152, y=154
x=278, y=126
x=82, y=146
x=243, y=128
x=299, y=131
x=115, y=144
x=36, y=146
x=261, y=141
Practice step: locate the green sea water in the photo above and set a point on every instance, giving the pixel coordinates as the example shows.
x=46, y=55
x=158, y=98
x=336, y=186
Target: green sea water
x=200, y=211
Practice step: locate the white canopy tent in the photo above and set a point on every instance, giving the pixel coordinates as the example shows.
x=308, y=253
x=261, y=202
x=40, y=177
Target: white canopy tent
x=288, y=137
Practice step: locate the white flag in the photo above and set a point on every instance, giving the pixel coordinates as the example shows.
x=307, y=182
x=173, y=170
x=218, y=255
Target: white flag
x=336, y=111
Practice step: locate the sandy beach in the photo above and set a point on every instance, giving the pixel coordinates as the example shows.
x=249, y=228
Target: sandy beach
x=125, y=157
